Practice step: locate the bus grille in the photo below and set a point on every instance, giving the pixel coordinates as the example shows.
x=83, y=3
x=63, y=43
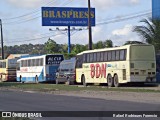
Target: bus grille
x=124, y=74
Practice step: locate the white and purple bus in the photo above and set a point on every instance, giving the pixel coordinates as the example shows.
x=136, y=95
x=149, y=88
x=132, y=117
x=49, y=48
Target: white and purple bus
x=39, y=68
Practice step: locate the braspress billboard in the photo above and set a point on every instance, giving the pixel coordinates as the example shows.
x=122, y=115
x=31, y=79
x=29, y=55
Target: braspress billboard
x=66, y=16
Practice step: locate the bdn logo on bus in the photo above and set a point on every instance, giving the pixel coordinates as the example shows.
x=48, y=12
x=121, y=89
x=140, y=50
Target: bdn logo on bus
x=98, y=70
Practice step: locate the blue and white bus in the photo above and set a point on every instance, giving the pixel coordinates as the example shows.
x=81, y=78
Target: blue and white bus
x=38, y=68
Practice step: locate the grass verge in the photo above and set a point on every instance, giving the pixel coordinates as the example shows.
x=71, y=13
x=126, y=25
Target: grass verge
x=62, y=87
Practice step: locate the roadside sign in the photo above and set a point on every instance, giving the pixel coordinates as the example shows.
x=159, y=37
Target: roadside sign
x=66, y=16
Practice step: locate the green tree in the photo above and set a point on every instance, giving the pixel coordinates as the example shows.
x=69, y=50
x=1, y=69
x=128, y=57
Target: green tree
x=78, y=48
x=98, y=45
x=133, y=42
x=64, y=48
x=108, y=43
x=150, y=32
x=51, y=46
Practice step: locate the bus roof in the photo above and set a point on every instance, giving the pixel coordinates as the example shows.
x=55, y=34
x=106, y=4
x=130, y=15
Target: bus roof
x=35, y=56
x=113, y=48
x=69, y=60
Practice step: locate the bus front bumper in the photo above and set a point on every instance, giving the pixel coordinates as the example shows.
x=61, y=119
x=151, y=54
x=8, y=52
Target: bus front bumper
x=151, y=79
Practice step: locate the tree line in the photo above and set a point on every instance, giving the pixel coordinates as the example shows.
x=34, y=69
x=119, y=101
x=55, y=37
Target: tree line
x=51, y=47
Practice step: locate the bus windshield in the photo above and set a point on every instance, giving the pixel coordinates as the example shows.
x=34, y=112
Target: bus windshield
x=142, y=53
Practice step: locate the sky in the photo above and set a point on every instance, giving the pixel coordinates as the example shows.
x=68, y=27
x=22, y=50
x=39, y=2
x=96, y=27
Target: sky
x=115, y=19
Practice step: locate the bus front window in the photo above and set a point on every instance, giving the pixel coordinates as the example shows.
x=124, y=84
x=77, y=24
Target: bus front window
x=142, y=53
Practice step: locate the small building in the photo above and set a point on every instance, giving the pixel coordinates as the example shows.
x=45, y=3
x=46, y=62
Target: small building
x=11, y=56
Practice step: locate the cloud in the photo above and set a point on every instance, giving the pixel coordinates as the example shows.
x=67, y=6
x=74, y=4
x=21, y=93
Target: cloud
x=25, y=3
x=134, y=1
x=105, y=4
x=102, y=4
x=124, y=31
x=120, y=36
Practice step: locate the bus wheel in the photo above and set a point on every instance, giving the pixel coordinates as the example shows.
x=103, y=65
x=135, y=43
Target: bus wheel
x=116, y=82
x=84, y=81
x=36, y=79
x=110, y=81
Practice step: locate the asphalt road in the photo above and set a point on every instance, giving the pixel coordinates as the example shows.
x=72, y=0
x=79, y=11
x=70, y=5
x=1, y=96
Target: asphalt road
x=26, y=101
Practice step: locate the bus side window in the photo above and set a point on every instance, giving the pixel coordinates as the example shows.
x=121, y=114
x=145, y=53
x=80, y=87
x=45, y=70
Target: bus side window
x=29, y=63
x=98, y=57
x=95, y=57
x=81, y=61
x=105, y=56
x=122, y=55
x=109, y=56
x=84, y=58
x=33, y=62
x=101, y=60
x=22, y=63
x=41, y=62
x=117, y=55
x=18, y=66
x=113, y=55
x=0, y=64
x=91, y=57
x=3, y=64
x=38, y=62
x=125, y=54
x=88, y=58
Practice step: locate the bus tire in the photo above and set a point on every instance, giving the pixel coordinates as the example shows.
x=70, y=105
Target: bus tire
x=36, y=79
x=84, y=81
x=110, y=81
x=116, y=81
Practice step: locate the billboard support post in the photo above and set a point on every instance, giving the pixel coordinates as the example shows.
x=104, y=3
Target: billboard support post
x=69, y=40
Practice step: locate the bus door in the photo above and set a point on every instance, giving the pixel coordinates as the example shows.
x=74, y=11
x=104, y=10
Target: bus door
x=52, y=64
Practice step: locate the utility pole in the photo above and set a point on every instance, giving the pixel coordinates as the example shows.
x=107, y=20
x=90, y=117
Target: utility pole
x=2, y=50
x=69, y=40
x=89, y=26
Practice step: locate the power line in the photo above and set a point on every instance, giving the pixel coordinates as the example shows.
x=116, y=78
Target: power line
x=30, y=37
x=36, y=17
x=35, y=38
x=127, y=15
x=24, y=15
x=123, y=19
